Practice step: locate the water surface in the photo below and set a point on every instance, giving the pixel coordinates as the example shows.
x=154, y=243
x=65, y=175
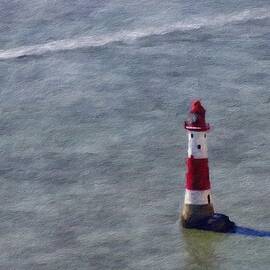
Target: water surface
x=93, y=99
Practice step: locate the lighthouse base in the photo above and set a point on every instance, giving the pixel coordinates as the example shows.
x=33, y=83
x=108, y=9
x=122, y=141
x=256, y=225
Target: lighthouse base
x=216, y=223
x=193, y=213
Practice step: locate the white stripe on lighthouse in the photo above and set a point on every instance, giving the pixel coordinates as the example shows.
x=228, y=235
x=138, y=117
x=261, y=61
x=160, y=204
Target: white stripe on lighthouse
x=197, y=144
x=198, y=197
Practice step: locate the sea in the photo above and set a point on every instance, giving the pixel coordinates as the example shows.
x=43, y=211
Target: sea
x=93, y=97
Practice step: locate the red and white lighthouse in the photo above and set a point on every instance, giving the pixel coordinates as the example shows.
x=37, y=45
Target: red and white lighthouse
x=198, y=199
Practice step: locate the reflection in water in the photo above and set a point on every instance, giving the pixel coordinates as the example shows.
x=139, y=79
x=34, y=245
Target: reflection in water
x=200, y=246
x=251, y=232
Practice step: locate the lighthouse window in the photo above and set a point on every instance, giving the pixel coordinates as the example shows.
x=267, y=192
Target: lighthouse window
x=204, y=135
x=199, y=146
x=208, y=199
x=191, y=135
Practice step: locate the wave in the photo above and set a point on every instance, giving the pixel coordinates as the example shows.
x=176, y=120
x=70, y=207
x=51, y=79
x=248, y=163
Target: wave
x=128, y=36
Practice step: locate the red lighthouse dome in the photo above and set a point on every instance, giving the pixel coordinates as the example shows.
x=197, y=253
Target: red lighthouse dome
x=197, y=118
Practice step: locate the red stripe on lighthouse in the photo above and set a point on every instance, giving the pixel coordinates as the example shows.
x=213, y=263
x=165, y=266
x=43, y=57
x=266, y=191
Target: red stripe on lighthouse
x=197, y=176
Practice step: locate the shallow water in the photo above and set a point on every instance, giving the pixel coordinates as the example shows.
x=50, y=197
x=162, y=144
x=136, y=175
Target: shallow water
x=93, y=99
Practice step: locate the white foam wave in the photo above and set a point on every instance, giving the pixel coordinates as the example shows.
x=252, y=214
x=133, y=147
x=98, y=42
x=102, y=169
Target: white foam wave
x=125, y=36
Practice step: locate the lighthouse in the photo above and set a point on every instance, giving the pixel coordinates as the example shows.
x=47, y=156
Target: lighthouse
x=198, y=211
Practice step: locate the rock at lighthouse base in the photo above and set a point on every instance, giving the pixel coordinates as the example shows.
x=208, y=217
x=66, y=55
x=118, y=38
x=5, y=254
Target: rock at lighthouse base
x=216, y=223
